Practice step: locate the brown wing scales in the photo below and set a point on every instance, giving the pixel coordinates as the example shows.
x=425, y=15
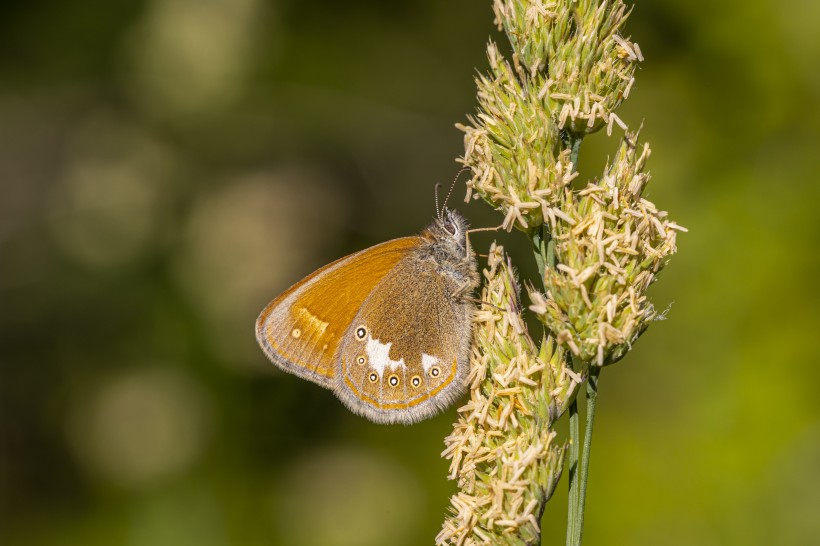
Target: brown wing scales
x=416, y=345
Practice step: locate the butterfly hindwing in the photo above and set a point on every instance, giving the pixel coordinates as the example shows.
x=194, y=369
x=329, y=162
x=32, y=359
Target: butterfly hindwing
x=405, y=355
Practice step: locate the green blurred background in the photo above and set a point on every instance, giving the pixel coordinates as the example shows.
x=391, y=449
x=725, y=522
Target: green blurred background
x=169, y=166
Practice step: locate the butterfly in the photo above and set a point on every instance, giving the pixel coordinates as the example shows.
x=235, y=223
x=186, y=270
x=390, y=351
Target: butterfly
x=388, y=329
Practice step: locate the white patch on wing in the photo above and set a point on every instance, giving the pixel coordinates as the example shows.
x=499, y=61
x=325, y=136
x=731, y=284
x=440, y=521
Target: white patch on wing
x=378, y=356
x=427, y=361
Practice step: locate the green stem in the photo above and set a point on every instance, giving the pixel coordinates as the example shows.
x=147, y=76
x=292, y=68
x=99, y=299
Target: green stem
x=577, y=481
x=574, y=485
x=592, y=398
x=575, y=147
x=540, y=242
x=543, y=246
x=544, y=249
x=551, y=260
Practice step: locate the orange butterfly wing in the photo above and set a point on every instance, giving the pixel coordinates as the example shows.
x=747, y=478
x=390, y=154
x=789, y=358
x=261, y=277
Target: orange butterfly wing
x=300, y=331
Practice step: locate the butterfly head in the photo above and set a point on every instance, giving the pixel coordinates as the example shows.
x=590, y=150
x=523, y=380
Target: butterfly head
x=449, y=230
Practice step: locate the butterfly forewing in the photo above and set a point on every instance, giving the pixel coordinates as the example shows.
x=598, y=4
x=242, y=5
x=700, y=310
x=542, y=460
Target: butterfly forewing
x=405, y=355
x=301, y=330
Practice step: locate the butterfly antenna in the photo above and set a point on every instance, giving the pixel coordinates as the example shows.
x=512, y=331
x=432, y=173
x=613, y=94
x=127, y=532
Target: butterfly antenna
x=438, y=210
x=453, y=185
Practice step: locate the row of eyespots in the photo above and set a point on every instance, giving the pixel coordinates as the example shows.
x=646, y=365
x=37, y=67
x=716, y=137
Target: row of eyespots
x=394, y=381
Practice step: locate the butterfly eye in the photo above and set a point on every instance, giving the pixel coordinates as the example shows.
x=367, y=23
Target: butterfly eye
x=416, y=381
x=361, y=331
x=434, y=371
x=373, y=377
x=393, y=380
x=361, y=360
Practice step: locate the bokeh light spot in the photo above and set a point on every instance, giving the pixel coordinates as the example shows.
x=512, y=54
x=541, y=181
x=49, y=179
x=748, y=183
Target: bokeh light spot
x=141, y=426
x=346, y=497
x=244, y=242
x=113, y=196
